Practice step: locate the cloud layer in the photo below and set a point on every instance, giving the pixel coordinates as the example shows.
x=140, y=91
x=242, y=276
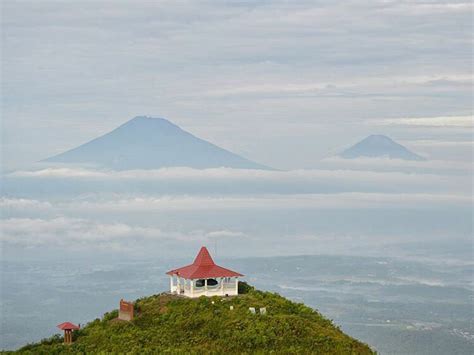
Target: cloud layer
x=59, y=182
x=447, y=121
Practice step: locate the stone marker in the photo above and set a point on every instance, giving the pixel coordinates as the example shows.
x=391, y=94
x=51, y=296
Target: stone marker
x=126, y=310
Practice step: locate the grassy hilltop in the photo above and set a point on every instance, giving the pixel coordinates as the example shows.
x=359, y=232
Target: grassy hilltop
x=172, y=324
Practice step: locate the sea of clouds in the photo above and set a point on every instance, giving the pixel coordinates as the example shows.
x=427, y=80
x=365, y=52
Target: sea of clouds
x=354, y=206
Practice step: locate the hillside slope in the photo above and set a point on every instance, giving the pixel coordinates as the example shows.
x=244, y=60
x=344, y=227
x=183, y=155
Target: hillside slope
x=171, y=324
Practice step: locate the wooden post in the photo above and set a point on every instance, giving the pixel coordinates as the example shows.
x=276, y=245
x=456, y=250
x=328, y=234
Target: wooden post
x=67, y=336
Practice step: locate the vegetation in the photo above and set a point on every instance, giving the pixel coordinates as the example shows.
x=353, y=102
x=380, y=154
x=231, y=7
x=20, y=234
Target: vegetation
x=172, y=324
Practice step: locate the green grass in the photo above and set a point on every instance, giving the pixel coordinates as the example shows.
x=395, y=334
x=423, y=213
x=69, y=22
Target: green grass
x=170, y=324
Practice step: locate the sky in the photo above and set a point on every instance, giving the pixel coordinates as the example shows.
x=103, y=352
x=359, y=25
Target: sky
x=284, y=83
x=288, y=84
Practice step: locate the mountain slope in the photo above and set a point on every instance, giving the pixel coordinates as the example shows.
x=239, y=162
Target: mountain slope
x=172, y=324
x=379, y=146
x=152, y=143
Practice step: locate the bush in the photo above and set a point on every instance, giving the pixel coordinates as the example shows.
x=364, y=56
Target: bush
x=111, y=315
x=244, y=288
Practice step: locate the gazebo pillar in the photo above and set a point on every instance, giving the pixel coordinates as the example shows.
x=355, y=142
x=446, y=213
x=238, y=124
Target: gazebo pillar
x=236, y=285
x=171, y=284
x=205, y=287
x=222, y=286
x=191, y=286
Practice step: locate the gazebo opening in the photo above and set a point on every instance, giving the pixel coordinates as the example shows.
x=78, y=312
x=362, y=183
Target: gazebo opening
x=210, y=282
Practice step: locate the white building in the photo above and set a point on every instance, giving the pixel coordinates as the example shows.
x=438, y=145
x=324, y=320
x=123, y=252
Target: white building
x=204, y=278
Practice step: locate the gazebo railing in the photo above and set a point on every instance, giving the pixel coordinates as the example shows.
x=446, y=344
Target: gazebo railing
x=223, y=287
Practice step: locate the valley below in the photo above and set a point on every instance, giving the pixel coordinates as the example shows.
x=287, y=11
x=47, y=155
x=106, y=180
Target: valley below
x=397, y=306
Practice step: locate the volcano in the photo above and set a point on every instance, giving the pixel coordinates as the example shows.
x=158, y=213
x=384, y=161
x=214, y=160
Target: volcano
x=152, y=143
x=379, y=146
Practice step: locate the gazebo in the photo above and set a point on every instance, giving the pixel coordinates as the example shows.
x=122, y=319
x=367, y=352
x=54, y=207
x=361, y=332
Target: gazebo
x=203, y=278
x=68, y=327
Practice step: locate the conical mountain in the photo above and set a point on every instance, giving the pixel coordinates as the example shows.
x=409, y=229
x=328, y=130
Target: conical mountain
x=152, y=143
x=379, y=146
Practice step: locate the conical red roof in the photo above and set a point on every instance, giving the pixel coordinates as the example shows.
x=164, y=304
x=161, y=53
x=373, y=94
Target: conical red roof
x=203, y=267
x=203, y=258
x=68, y=326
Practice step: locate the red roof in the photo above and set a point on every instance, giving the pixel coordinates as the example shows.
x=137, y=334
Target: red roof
x=67, y=326
x=203, y=267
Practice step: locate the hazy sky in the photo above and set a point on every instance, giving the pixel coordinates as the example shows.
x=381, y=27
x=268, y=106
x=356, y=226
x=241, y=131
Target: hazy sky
x=284, y=83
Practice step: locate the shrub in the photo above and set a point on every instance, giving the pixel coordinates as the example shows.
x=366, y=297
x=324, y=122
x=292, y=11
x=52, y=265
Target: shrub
x=244, y=287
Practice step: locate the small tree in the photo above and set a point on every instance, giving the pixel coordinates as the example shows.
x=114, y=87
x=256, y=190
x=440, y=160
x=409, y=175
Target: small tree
x=244, y=287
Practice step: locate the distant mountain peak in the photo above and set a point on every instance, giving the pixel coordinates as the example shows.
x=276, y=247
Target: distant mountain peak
x=148, y=119
x=379, y=138
x=152, y=143
x=379, y=146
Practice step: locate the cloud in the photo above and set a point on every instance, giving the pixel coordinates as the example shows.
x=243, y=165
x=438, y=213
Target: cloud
x=441, y=122
x=85, y=234
x=444, y=144
x=72, y=232
x=430, y=8
x=242, y=175
x=431, y=167
x=225, y=234
x=276, y=202
x=65, y=173
x=341, y=87
x=24, y=207
x=22, y=203
x=131, y=206
x=180, y=181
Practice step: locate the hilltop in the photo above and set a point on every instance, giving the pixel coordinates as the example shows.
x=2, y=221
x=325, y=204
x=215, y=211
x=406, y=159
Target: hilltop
x=379, y=146
x=171, y=324
x=151, y=143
